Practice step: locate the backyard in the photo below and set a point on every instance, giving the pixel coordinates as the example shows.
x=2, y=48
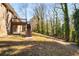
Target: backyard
x=37, y=45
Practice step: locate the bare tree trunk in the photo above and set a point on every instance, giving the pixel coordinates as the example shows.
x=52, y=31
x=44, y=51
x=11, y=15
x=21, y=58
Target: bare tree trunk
x=66, y=21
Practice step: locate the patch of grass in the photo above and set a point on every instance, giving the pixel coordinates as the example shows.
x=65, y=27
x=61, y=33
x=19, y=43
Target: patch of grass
x=40, y=45
x=39, y=37
x=12, y=38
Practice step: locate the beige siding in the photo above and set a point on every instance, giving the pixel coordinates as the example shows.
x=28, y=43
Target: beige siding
x=3, y=16
x=9, y=21
x=6, y=15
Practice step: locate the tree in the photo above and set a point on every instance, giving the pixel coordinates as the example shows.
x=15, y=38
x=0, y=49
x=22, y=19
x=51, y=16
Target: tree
x=75, y=6
x=23, y=10
x=36, y=14
x=66, y=20
x=76, y=23
x=63, y=30
x=39, y=12
x=52, y=25
x=56, y=21
x=42, y=12
x=47, y=28
x=52, y=20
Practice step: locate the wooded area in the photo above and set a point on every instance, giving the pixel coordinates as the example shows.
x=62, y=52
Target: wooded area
x=57, y=21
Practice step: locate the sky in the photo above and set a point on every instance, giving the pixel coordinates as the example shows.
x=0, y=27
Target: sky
x=17, y=7
x=30, y=6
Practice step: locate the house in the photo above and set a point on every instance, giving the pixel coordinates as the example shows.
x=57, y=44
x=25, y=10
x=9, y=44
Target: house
x=8, y=20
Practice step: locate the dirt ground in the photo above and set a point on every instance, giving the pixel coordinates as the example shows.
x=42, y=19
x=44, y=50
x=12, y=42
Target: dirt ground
x=37, y=45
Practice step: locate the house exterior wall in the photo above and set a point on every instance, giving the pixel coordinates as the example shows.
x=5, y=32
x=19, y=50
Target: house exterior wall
x=6, y=17
x=16, y=28
x=19, y=29
x=3, y=17
x=10, y=15
x=23, y=28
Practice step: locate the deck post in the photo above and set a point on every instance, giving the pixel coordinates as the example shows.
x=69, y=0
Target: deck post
x=28, y=32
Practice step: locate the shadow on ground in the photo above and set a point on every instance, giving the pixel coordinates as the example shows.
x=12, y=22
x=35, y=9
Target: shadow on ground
x=35, y=48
